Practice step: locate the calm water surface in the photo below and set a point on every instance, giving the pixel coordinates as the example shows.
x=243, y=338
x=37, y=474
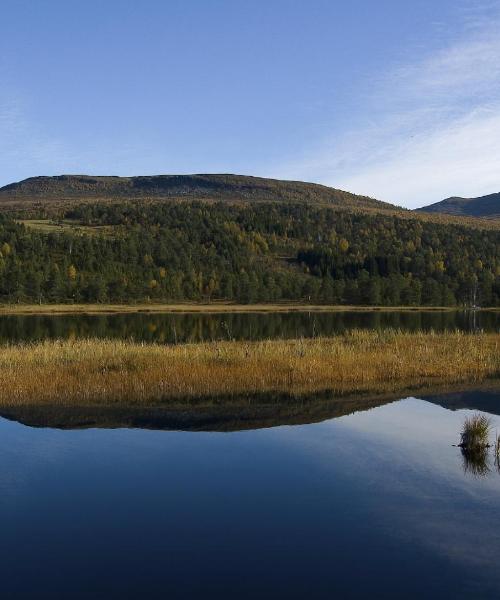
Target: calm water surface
x=170, y=328
x=374, y=504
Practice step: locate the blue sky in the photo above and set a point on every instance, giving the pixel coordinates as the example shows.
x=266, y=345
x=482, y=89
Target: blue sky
x=396, y=100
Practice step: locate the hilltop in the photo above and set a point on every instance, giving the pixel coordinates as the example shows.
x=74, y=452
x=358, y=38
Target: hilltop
x=483, y=206
x=195, y=187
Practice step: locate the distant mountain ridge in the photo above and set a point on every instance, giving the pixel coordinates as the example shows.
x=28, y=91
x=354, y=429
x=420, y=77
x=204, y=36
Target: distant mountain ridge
x=216, y=186
x=49, y=192
x=483, y=206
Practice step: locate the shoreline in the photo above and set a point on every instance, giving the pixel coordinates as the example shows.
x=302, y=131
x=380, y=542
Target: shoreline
x=212, y=308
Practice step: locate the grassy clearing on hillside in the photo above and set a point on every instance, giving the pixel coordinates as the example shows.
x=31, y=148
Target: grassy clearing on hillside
x=64, y=226
x=105, y=372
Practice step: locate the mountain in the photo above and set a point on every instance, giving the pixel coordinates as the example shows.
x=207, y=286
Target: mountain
x=484, y=206
x=210, y=187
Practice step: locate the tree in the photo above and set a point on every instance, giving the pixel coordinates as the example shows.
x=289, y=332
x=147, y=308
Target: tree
x=54, y=289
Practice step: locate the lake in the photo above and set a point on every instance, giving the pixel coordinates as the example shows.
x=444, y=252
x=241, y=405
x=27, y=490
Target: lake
x=174, y=327
x=371, y=500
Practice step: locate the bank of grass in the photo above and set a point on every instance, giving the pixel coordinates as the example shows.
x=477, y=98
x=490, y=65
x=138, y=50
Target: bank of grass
x=88, y=372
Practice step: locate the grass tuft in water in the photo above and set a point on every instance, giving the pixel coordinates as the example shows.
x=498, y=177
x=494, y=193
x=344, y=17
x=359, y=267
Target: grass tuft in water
x=474, y=444
x=475, y=433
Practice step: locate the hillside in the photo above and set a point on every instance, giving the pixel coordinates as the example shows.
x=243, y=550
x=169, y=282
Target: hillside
x=484, y=206
x=195, y=187
x=178, y=238
x=246, y=252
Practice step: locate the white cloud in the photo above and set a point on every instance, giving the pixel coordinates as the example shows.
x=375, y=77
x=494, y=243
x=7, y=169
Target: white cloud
x=433, y=129
x=461, y=157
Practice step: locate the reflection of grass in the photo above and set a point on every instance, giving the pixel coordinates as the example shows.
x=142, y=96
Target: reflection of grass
x=497, y=452
x=103, y=371
x=476, y=462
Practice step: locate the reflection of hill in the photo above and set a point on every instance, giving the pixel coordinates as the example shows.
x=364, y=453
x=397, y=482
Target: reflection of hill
x=236, y=415
x=486, y=400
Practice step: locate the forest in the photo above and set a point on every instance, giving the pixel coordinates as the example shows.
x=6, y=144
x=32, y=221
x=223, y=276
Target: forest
x=206, y=251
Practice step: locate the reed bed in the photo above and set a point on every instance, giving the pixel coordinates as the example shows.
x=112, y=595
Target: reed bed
x=87, y=372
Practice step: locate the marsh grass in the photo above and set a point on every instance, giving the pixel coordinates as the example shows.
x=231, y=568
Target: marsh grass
x=106, y=372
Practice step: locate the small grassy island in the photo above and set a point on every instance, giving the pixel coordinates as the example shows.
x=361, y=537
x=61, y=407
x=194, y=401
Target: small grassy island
x=96, y=372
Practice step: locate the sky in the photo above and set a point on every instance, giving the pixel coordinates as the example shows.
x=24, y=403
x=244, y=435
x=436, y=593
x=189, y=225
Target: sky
x=396, y=100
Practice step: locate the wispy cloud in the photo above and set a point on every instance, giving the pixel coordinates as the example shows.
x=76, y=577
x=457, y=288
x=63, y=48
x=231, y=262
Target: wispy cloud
x=433, y=129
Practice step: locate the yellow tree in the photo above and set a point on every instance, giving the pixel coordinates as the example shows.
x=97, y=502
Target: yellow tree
x=72, y=272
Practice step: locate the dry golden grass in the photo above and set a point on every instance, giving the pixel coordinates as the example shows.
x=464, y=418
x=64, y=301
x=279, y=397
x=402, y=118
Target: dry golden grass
x=88, y=372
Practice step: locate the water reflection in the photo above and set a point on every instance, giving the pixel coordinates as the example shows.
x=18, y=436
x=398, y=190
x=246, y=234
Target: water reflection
x=476, y=462
x=221, y=414
x=371, y=503
x=173, y=328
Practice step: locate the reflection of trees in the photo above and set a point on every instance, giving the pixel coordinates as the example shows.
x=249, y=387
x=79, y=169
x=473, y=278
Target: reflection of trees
x=171, y=328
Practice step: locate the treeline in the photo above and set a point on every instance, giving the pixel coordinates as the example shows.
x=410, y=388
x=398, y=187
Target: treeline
x=176, y=251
